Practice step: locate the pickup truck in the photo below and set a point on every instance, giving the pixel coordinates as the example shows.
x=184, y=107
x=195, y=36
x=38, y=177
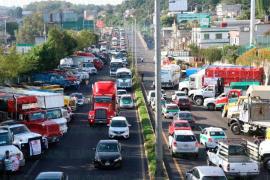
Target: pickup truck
x=233, y=159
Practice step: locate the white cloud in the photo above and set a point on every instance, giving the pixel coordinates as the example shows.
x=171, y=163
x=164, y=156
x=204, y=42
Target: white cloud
x=25, y=2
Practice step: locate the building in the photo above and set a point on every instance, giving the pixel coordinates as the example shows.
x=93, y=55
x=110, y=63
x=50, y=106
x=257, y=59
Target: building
x=226, y=10
x=241, y=35
x=210, y=37
x=23, y=48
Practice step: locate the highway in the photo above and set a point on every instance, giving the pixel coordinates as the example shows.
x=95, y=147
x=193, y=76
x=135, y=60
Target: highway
x=74, y=154
x=176, y=167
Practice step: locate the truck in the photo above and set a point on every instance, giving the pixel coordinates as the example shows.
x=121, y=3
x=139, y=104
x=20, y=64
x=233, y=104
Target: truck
x=24, y=109
x=92, y=59
x=254, y=112
x=233, y=159
x=51, y=103
x=84, y=63
x=124, y=78
x=104, y=102
x=7, y=145
x=170, y=75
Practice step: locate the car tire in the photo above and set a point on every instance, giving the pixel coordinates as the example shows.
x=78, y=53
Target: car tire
x=235, y=128
x=211, y=107
x=198, y=100
x=266, y=163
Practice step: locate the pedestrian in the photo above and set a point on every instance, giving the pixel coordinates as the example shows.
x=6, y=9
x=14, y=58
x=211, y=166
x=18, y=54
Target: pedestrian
x=7, y=165
x=142, y=59
x=142, y=75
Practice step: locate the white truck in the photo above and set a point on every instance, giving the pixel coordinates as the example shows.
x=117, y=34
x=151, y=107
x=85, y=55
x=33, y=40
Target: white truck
x=254, y=112
x=124, y=78
x=170, y=75
x=233, y=159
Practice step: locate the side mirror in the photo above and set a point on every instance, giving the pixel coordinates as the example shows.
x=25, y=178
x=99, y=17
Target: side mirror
x=189, y=172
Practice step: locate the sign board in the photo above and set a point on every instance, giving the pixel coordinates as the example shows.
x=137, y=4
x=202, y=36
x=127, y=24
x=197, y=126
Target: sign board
x=29, y=106
x=204, y=22
x=178, y=5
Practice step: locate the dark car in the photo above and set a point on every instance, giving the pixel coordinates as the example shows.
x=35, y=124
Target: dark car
x=185, y=115
x=52, y=176
x=183, y=103
x=108, y=154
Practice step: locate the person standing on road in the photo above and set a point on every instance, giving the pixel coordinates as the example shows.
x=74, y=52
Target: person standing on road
x=7, y=165
x=142, y=75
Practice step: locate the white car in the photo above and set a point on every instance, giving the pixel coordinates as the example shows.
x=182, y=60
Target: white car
x=205, y=172
x=178, y=94
x=210, y=136
x=126, y=101
x=119, y=93
x=170, y=110
x=151, y=95
x=119, y=127
x=183, y=142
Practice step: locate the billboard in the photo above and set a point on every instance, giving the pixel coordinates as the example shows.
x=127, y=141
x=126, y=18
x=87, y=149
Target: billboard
x=178, y=5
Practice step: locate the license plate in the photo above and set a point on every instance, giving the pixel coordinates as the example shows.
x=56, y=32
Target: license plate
x=107, y=164
x=243, y=174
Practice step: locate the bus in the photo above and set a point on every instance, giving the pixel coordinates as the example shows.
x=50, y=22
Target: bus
x=114, y=65
x=124, y=78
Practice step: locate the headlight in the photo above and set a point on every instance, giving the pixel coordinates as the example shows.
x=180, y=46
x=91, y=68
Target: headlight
x=98, y=158
x=118, y=159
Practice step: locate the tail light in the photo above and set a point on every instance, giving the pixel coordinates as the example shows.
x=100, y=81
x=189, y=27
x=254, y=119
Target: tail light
x=174, y=143
x=228, y=167
x=210, y=140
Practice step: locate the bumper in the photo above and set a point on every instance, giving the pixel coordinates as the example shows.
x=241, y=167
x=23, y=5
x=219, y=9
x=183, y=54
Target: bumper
x=63, y=129
x=53, y=139
x=239, y=174
x=101, y=164
x=184, y=107
x=211, y=145
x=185, y=151
x=126, y=106
x=100, y=121
x=124, y=135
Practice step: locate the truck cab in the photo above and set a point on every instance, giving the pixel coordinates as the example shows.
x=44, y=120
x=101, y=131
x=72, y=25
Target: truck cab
x=124, y=78
x=199, y=95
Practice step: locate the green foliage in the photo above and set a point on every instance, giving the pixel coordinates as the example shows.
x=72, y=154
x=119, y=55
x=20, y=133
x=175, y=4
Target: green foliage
x=16, y=13
x=32, y=26
x=212, y=54
x=167, y=21
x=194, y=50
x=229, y=53
x=12, y=27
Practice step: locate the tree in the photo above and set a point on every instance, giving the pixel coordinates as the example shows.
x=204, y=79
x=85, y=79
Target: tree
x=85, y=38
x=167, y=21
x=229, y=54
x=212, y=54
x=32, y=26
x=12, y=27
x=194, y=50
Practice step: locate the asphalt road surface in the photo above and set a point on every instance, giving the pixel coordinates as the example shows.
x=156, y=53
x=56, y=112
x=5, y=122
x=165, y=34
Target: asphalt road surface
x=74, y=154
x=176, y=167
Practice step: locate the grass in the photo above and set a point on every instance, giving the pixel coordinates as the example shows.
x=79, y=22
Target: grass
x=148, y=133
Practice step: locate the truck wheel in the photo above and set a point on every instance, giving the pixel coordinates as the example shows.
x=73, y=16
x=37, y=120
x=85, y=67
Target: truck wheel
x=198, y=101
x=235, y=128
x=266, y=162
x=211, y=107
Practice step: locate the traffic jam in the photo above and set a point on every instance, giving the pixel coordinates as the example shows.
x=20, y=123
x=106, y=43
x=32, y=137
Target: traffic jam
x=240, y=150
x=35, y=115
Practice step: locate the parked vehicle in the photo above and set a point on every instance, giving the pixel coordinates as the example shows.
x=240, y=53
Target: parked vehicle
x=170, y=110
x=178, y=125
x=52, y=175
x=104, y=102
x=126, y=101
x=210, y=136
x=7, y=145
x=108, y=154
x=29, y=114
x=124, y=78
x=185, y=115
x=183, y=103
x=170, y=75
x=183, y=142
x=30, y=143
x=205, y=172
x=119, y=127
x=233, y=159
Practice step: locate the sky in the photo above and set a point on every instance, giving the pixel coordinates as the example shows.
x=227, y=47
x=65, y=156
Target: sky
x=22, y=3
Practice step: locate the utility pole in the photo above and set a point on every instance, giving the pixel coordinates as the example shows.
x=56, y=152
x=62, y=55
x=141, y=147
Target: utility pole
x=132, y=32
x=135, y=47
x=5, y=31
x=252, y=22
x=158, y=128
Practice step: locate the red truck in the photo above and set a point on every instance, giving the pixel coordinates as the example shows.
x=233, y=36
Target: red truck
x=235, y=74
x=25, y=109
x=104, y=102
x=97, y=62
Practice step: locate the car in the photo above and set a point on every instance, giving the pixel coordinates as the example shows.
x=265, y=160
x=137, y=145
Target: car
x=119, y=127
x=183, y=103
x=178, y=94
x=153, y=105
x=178, y=125
x=108, y=154
x=120, y=92
x=126, y=101
x=210, y=136
x=53, y=175
x=80, y=99
x=183, y=142
x=169, y=110
x=185, y=115
x=151, y=95
x=205, y=173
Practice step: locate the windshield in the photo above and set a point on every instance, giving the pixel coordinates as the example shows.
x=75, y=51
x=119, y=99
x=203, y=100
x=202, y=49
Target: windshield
x=217, y=133
x=107, y=147
x=186, y=116
x=185, y=138
x=19, y=130
x=214, y=178
x=123, y=75
x=172, y=108
x=115, y=65
x=4, y=139
x=180, y=94
x=37, y=116
x=126, y=99
x=54, y=114
x=121, y=92
x=181, y=125
x=237, y=150
x=79, y=96
x=88, y=65
x=117, y=123
x=103, y=99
